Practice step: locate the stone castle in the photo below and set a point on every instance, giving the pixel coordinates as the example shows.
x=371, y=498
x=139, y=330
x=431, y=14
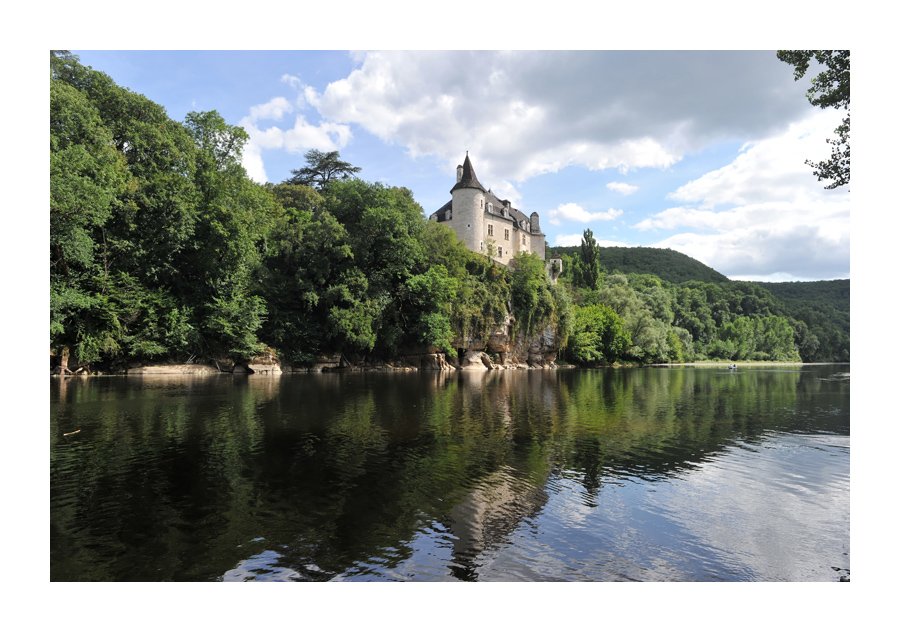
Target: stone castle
x=487, y=224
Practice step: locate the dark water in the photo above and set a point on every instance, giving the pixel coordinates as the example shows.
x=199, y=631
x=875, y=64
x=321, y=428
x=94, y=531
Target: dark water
x=679, y=474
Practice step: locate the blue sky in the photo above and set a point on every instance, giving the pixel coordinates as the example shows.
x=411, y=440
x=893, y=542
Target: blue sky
x=699, y=151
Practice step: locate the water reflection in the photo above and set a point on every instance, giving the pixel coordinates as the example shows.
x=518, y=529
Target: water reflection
x=608, y=474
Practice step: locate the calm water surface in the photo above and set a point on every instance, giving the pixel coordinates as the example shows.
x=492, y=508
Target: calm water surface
x=653, y=474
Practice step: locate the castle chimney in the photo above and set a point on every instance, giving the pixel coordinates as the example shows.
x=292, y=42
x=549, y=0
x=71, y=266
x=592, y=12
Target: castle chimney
x=458, y=173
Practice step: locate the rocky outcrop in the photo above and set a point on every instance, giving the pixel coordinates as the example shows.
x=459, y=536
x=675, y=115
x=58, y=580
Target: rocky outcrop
x=172, y=369
x=499, y=339
x=429, y=362
x=266, y=364
x=323, y=363
x=536, y=351
x=476, y=361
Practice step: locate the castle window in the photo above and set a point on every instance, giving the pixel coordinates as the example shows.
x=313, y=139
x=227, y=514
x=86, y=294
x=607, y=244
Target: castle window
x=490, y=207
x=500, y=252
x=490, y=230
x=506, y=234
x=480, y=203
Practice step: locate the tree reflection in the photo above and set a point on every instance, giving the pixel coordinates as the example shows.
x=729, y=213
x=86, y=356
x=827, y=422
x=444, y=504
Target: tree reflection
x=186, y=479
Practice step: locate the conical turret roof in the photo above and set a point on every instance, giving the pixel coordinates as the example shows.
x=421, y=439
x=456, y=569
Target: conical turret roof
x=468, y=180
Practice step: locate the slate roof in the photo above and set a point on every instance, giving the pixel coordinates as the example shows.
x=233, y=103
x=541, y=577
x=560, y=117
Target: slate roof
x=469, y=179
x=441, y=214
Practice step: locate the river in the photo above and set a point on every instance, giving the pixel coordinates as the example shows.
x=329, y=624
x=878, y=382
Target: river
x=627, y=474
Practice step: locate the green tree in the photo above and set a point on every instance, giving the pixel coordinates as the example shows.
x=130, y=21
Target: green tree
x=384, y=226
x=321, y=169
x=298, y=201
x=121, y=207
x=676, y=347
x=87, y=178
x=598, y=335
x=587, y=267
x=432, y=294
x=157, y=213
x=829, y=89
x=235, y=216
x=530, y=295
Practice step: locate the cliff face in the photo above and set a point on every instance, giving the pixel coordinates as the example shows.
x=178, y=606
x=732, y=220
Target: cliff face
x=538, y=350
x=499, y=350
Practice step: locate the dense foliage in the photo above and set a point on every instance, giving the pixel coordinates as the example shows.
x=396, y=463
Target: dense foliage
x=693, y=320
x=155, y=229
x=835, y=293
x=162, y=249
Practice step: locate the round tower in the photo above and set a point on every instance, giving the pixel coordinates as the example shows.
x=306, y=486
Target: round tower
x=468, y=207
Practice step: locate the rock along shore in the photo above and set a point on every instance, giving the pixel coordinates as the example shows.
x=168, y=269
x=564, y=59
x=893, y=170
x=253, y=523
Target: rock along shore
x=498, y=352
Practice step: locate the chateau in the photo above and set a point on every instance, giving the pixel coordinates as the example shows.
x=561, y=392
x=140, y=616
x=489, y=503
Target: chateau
x=486, y=223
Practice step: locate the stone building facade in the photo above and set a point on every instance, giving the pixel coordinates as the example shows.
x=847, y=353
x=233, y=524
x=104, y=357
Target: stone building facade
x=487, y=224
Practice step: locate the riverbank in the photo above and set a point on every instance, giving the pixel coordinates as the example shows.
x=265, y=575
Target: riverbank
x=740, y=364
x=397, y=367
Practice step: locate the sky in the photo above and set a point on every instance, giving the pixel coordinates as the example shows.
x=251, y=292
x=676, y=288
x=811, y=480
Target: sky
x=702, y=152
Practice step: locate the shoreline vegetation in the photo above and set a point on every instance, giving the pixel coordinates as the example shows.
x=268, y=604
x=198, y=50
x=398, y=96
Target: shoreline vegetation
x=164, y=253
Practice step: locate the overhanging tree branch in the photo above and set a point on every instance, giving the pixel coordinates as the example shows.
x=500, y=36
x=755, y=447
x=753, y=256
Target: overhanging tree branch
x=830, y=88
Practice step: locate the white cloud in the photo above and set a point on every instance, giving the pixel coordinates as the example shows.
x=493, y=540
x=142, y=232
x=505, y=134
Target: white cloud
x=771, y=169
x=252, y=161
x=273, y=110
x=797, y=252
x=292, y=81
x=621, y=187
x=326, y=136
x=522, y=114
x=568, y=240
x=575, y=240
x=573, y=212
x=778, y=220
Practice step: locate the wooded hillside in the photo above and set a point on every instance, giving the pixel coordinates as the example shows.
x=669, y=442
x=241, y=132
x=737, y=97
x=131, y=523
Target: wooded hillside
x=835, y=294
x=668, y=265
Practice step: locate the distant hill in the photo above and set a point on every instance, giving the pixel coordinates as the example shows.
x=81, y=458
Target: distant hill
x=833, y=293
x=822, y=307
x=668, y=265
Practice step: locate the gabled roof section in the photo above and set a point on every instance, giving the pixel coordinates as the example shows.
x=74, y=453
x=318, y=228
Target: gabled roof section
x=515, y=213
x=469, y=180
x=441, y=214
